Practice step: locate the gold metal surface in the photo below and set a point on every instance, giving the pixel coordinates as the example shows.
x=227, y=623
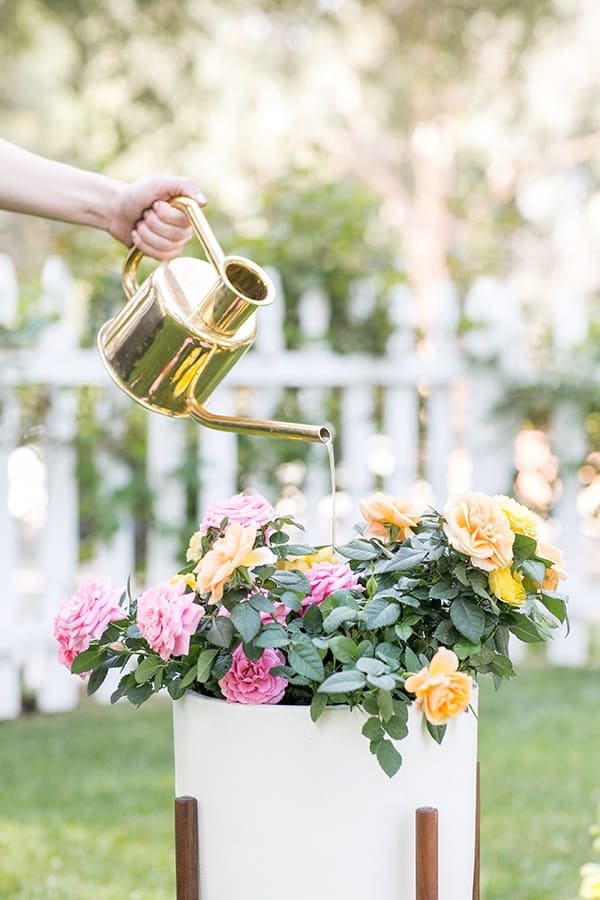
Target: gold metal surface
x=185, y=327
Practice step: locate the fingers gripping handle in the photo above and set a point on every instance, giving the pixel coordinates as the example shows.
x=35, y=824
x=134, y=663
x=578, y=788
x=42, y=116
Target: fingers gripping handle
x=201, y=229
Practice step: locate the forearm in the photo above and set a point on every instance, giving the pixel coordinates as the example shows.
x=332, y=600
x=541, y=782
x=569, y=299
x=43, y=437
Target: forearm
x=41, y=187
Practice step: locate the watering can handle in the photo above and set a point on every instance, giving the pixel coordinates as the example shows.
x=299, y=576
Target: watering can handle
x=203, y=232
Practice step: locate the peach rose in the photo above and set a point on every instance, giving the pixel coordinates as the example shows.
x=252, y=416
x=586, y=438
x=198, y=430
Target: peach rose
x=234, y=549
x=557, y=572
x=442, y=691
x=477, y=526
x=382, y=512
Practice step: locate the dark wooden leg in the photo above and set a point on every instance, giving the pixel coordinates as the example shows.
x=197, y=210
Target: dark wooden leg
x=427, y=853
x=476, y=883
x=186, y=849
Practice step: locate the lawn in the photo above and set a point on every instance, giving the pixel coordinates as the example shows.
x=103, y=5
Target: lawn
x=86, y=798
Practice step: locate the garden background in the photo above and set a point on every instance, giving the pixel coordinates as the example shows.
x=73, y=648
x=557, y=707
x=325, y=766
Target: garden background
x=423, y=177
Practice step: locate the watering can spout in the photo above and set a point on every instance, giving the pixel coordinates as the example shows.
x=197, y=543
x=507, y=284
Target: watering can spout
x=185, y=327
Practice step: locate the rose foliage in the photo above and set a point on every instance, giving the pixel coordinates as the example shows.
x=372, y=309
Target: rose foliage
x=410, y=611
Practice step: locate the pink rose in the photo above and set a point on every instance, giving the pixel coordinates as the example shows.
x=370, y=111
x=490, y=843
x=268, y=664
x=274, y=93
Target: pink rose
x=251, y=682
x=83, y=617
x=326, y=578
x=167, y=617
x=247, y=509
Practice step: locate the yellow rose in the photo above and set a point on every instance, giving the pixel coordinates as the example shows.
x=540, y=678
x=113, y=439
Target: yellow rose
x=189, y=578
x=557, y=572
x=234, y=549
x=508, y=586
x=521, y=519
x=194, y=550
x=304, y=563
x=382, y=512
x=442, y=691
x=476, y=526
x=590, y=882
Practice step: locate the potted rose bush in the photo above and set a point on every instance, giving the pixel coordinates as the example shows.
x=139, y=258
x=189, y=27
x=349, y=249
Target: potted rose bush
x=377, y=636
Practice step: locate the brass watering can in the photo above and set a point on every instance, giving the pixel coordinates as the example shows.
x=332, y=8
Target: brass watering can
x=185, y=327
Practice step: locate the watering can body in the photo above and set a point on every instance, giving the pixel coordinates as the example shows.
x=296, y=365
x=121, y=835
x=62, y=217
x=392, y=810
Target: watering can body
x=185, y=327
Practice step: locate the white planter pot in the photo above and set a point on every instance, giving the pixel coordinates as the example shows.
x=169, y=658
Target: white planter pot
x=291, y=810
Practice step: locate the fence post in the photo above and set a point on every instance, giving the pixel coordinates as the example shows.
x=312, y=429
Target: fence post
x=10, y=687
x=57, y=690
x=166, y=448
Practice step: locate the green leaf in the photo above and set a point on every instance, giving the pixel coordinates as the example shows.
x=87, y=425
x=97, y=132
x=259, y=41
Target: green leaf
x=138, y=694
x=299, y=550
x=272, y=635
x=88, y=660
x=479, y=584
x=468, y=619
x=222, y=664
x=133, y=633
x=343, y=682
x=337, y=617
x=372, y=729
x=389, y=653
x=305, y=660
x=437, y=732
x=343, y=648
x=95, y=680
x=403, y=631
x=379, y=613
x=292, y=580
x=146, y=669
x=246, y=620
x=396, y=728
x=446, y=633
x=534, y=570
x=189, y=677
x=385, y=682
x=464, y=648
x=261, y=603
x=359, y=550
x=370, y=705
x=411, y=661
x=524, y=629
x=220, y=632
x=251, y=651
x=502, y=665
x=317, y=706
x=175, y=688
x=555, y=604
x=524, y=547
x=385, y=704
x=370, y=666
x=204, y=665
x=313, y=620
x=404, y=559
x=288, y=598
x=388, y=758
x=441, y=591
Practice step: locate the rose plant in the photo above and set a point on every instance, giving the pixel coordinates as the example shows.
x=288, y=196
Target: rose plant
x=409, y=611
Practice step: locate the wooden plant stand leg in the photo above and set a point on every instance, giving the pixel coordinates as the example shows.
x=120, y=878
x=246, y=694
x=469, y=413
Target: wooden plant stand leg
x=187, y=874
x=426, y=856
x=476, y=877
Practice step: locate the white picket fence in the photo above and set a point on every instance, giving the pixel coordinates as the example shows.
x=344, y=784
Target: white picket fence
x=419, y=420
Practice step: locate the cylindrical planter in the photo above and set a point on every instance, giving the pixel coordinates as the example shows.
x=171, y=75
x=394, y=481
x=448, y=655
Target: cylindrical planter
x=292, y=810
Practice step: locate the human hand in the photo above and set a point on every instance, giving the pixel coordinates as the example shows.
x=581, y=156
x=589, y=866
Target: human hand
x=142, y=215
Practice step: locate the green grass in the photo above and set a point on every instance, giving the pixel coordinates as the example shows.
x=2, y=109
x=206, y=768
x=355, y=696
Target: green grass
x=86, y=799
